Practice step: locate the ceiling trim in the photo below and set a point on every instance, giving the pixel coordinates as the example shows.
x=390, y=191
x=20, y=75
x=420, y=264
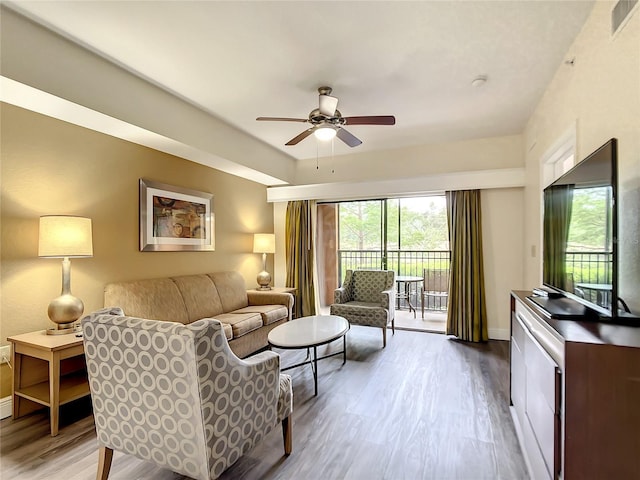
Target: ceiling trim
x=471, y=180
x=29, y=98
x=34, y=56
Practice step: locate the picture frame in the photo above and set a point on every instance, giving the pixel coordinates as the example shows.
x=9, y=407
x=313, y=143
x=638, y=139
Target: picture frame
x=175, y=219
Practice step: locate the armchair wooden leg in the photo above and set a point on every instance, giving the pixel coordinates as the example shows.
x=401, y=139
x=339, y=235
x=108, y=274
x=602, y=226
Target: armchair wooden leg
x=384, y=336
x=105, y=455
x=393, y=325
x=287, y=435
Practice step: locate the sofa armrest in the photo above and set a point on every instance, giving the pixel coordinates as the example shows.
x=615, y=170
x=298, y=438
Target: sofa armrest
x=267, y=297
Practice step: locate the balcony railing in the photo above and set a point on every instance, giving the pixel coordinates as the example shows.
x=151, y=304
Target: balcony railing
x=589, y=267
x=403, y=262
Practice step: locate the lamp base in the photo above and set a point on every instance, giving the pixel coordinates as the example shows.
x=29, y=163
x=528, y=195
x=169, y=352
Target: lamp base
x=61, y=329
x=264, y=279
x=64, y=311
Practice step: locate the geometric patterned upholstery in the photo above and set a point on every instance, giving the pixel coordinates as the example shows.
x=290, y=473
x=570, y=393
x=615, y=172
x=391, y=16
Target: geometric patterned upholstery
x=367, y=297
x=176, y=395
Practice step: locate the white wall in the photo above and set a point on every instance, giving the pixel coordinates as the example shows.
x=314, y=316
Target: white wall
x=600, y=94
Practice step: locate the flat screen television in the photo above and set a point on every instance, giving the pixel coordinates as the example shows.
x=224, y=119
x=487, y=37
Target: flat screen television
x=580, y=236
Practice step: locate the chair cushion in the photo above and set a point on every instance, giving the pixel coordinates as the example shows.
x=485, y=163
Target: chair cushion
x=241, y=323
x=269, y=313
x=367, y=285
x=362, y=313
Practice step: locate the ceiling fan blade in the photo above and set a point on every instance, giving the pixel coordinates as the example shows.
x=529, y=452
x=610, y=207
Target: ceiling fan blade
x=299, y=138
x=281, y=119
x=371, y=120
x=328, y=105
x=348, y=138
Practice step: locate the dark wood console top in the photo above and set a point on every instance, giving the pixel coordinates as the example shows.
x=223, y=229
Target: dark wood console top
x=596, y=332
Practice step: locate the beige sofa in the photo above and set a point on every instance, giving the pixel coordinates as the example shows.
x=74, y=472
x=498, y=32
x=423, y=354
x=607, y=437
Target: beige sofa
x=246, y=316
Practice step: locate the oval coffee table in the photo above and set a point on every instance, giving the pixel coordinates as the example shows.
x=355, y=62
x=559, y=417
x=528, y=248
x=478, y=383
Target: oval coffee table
x=311, y=332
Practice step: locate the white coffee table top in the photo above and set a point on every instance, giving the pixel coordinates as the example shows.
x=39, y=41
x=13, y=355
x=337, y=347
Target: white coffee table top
x=308, y=331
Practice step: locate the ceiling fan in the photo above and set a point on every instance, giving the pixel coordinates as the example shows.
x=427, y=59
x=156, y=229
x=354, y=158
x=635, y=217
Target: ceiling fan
x=327, y=122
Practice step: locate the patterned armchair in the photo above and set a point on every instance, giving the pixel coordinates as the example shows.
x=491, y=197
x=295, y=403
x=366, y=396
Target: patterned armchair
x=367, y=297
x=175, y=395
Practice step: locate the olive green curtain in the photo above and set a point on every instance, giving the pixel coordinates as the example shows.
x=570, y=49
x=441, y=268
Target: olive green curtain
x=300, y=255
x=558, y=202
x=467, y=313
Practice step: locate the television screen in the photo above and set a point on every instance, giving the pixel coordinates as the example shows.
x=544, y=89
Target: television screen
x=579, y=232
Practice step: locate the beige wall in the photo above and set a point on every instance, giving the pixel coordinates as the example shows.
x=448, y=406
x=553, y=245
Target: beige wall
x=417, y=161
x=52, y=167
x=600, y=95
x=502, y=240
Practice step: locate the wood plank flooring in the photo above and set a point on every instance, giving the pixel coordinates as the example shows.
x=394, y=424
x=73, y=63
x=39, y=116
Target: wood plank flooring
x=425, y=407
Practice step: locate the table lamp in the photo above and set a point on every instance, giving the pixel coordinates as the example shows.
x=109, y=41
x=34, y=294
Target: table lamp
x=65, y=237
x=264, y=243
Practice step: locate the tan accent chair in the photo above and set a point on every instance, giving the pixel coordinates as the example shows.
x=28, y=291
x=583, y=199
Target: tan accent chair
x=175, y=395
x=435, y=289
x=367, y=297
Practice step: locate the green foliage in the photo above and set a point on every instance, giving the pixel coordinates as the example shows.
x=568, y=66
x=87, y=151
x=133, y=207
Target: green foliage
x=360, y=225
x=412, y=224
x=590, y=227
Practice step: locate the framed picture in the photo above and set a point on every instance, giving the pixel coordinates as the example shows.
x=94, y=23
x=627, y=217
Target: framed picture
x=175, y=219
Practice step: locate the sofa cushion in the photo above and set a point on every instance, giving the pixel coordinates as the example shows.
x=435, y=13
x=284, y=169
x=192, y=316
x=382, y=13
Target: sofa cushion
x=241, y=323
x=269, y=313
x=226, y=328
x=200, y=296
x=231, y=289
x=157, y=299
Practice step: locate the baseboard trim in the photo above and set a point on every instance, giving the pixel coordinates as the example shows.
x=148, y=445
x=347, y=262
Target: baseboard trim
x=498, y=333
x=6, y=407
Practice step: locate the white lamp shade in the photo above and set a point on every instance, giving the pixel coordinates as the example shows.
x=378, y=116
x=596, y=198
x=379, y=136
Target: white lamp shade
x=65, y=236
x=264, y=243
x=326, y=132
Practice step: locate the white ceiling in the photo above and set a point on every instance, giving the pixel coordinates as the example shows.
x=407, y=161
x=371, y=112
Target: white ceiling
x=415, y=60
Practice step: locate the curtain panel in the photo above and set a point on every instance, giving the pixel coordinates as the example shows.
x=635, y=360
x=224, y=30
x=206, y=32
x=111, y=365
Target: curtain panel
x=467, y=313
x=300, y=255
x=558, y=205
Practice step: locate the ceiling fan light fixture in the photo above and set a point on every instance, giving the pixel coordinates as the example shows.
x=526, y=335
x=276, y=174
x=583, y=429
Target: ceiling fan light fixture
x=325, y=132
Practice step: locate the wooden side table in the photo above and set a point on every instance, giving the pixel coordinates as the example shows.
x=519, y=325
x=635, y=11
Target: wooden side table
x=48, y=370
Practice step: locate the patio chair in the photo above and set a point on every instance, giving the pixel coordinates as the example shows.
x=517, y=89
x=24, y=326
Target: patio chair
x=367, y=297
x=175, y=395
x=435, y=290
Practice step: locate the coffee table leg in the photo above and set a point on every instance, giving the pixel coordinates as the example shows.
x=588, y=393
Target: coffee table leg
x=344, y=349
x=315, y=370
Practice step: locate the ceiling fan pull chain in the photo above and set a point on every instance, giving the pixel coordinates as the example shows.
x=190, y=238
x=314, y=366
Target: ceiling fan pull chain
x=333, y=142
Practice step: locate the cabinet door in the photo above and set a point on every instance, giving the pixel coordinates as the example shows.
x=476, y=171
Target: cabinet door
x=517, y=369
x=542, y=398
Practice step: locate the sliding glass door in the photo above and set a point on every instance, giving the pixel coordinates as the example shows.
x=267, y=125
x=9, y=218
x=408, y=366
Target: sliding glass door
x=407, y=235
